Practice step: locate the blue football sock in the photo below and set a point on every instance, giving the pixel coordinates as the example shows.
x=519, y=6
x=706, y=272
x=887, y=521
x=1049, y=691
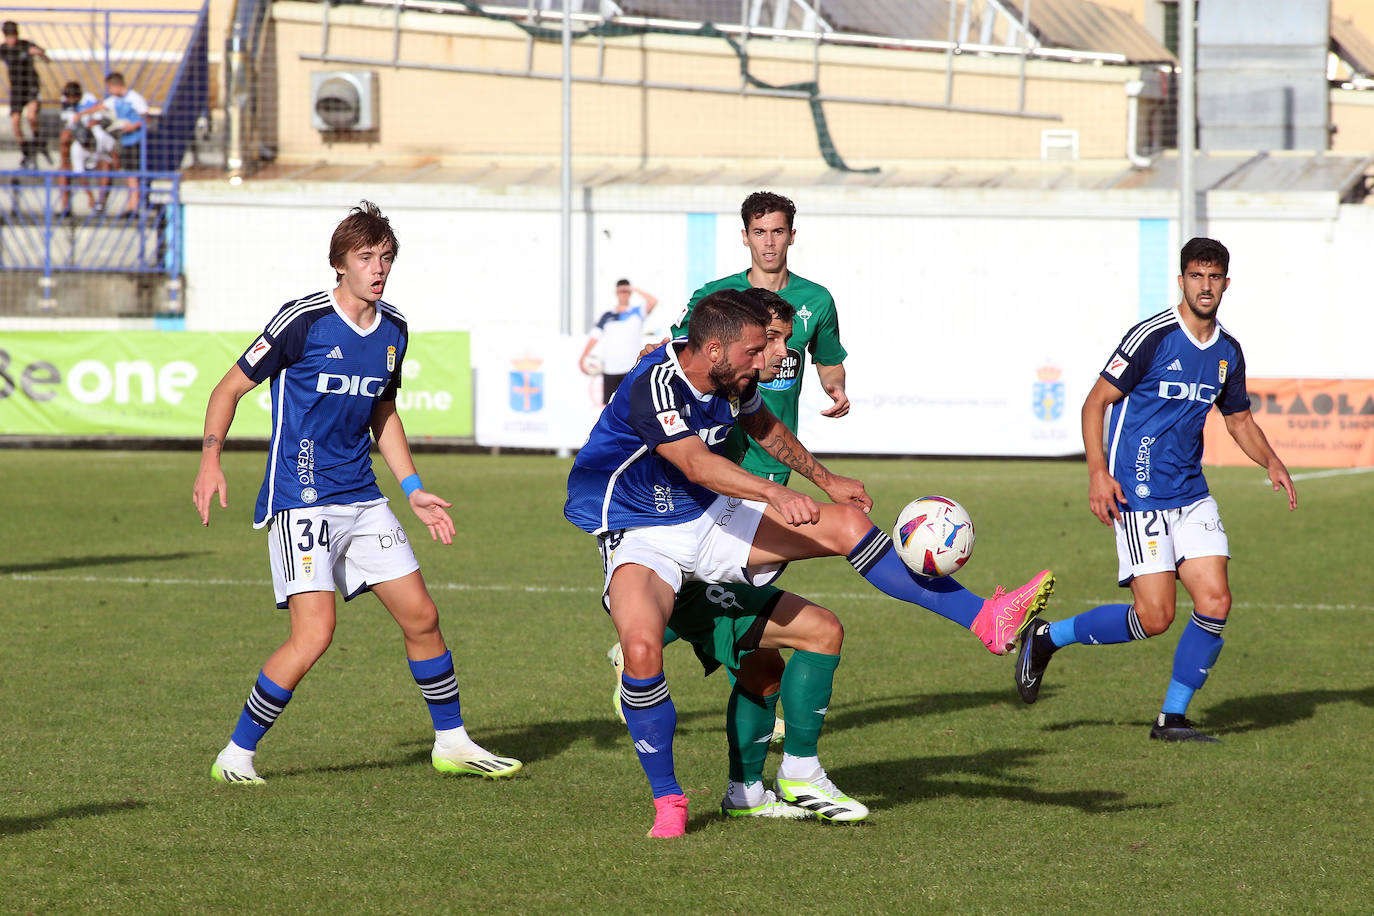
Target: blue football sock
x=1197, y=652
x=1104, y=625
x=439, y=684
x=265, y=702
x=652, y=718
x=875, y=559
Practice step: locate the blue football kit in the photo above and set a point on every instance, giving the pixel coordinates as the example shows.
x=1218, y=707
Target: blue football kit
x=618, y=479
x=327, y=375
x=1171, y=380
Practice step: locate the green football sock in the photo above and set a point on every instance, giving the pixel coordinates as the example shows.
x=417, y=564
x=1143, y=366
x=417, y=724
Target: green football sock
x=748, y=730
x=806, y=686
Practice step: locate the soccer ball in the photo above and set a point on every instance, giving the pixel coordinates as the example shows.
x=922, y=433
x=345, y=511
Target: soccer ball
x=934, y=536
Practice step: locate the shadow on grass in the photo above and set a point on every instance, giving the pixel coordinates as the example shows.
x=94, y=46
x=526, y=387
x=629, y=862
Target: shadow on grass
x=1273, y=710
x=108, y=560
x=989, y=774
x=13, y=826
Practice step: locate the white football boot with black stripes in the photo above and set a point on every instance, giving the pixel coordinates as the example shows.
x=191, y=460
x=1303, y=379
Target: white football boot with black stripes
x=473, y=760
x=234, y=766
x=821, y=797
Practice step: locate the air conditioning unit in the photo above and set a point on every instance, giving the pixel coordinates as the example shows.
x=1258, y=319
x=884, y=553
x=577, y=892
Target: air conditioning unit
x=343, y=100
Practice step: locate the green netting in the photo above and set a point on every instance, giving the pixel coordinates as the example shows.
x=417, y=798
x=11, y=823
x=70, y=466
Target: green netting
x=812, y=89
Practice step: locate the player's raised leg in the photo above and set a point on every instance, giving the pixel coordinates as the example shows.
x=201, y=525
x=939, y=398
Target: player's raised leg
x=312, y=630
x=640, y=603
x=846, y=531
x=431, y=665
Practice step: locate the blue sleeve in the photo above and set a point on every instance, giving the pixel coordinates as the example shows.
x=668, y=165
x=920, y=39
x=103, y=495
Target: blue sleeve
x=389, y=394
x=1126, y=372
x=268, y=355
x=656, y=413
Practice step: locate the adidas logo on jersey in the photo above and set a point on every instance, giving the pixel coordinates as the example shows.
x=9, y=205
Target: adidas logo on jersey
x=337, y=353
x=1175, y=366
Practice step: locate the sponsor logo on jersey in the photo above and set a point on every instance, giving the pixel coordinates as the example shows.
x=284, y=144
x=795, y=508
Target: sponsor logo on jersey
x=336, y=353
x=308, y=567
x=389, y=539
x=308, y=495
x=1142, y=464
x=714, y=435
x=1188, y=391
x=305, y=462
x=332, y=383
x=526, y=385
x=257, y=351
x=1047, y=394
x=787, y=374
x=672, y=422
x=1221, y=372
x=1176, y=366
x=1116, y=365
x=663, y=500
x=390, y=359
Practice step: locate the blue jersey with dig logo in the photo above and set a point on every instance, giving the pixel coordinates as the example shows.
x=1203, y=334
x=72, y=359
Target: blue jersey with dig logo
x=1170, y=380
x=327, y=375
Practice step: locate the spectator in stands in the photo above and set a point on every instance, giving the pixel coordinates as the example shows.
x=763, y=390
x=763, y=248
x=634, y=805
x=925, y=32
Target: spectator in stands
x=18, y=54
x=129, y=112
x=84, y=144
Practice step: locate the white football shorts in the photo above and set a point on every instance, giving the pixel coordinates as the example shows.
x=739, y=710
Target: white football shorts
x=1158, y=540
x=351, y=548
x=712, y=548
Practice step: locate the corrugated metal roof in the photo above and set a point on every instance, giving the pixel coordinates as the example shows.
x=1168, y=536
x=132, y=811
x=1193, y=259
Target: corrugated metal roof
x=1073, y=24
x=1352, y=46
x=1085, y=26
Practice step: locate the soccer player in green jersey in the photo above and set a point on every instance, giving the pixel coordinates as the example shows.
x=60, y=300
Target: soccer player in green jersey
x=768, y=233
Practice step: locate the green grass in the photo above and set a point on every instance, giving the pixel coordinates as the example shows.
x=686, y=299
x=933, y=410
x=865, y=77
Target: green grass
x=131, y=636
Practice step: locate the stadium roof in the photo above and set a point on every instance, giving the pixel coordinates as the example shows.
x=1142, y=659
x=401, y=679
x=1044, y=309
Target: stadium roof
x=1071, y=24
x=1352, y=46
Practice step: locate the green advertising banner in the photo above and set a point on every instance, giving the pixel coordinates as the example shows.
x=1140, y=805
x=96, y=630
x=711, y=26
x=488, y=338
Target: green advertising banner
x=156, y=383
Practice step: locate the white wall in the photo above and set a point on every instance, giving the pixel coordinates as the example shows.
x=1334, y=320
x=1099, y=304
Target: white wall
x=949, y=300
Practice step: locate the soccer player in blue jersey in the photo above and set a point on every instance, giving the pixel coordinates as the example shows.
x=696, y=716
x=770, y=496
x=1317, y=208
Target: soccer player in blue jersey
x=334, y=360
x=1158, y=387
x=653, y=485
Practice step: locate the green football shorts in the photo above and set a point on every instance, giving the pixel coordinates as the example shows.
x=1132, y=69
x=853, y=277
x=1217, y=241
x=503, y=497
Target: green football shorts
x=723, y=623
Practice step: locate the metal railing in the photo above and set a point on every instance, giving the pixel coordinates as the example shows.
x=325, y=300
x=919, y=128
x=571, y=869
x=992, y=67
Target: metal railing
x=86, y=222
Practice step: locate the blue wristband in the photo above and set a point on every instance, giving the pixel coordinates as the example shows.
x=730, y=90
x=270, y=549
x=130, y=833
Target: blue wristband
x=411, y=484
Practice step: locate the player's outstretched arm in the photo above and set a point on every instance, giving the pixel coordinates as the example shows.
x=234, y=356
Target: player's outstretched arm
x=1105, y=498
x=219, y=415
x=832, y=380
x=429, y=508
x=705, y=468
x=780, y=442
x=1255, y=444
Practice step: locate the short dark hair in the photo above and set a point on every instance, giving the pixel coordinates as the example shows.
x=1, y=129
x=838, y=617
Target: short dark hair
x=622, y=282
x=777, y=306
x=723, y=316
x=71, y=90
x=114, y=76
x=761, y=203
x=1204, y=251
x=10, y=27
x=363, y=227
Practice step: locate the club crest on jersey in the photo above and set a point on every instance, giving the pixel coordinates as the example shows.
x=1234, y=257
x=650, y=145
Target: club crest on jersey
x=307, y=567
x=526, y=385
x=734, y=405
x=390, y=359
x=804, y=314
x=308, y=495
x=1047, y=394
x=1221, y=372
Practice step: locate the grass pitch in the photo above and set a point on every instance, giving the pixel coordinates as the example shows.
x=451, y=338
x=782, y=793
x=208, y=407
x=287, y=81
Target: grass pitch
x=132, y=636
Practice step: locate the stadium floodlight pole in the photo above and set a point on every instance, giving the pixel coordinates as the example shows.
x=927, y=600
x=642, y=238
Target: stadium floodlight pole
x=565, y=248
x=1187, y=120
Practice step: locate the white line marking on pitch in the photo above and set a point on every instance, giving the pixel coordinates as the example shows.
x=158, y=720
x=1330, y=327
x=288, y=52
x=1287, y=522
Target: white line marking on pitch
x=1336, y=472
x=590, y=590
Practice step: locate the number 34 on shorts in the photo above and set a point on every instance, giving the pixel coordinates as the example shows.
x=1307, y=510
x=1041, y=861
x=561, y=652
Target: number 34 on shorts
x=351, y=548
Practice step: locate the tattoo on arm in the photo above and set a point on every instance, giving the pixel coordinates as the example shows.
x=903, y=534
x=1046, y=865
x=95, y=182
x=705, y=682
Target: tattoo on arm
x=212, y=441
x=788, y=449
